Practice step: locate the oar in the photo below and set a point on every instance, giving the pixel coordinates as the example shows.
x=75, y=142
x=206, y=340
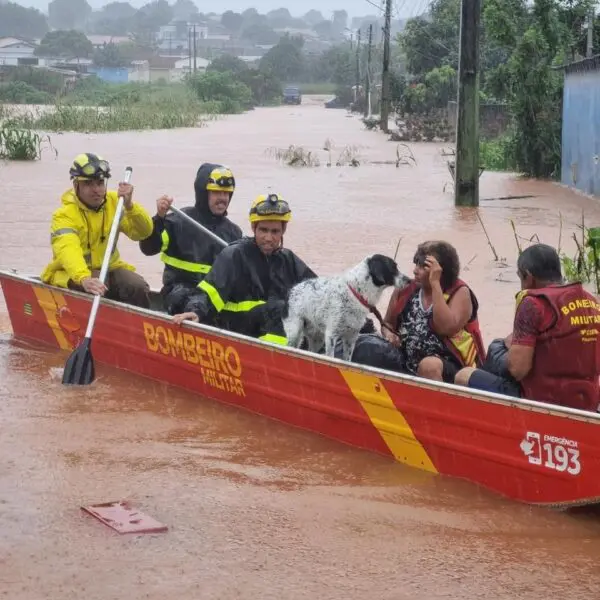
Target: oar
x=79, y=368
x=199, y=226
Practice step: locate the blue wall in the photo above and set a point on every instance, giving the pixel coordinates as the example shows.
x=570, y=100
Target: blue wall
x=110, y=74
x=581, y=131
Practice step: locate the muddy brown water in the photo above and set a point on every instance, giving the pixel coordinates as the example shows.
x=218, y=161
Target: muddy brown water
x=257, y=509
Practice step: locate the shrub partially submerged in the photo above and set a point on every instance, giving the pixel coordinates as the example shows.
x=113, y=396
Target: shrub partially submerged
x=18, y=143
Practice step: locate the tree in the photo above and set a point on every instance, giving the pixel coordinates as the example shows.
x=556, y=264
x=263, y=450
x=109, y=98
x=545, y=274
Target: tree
x=260, y=34
x=279, y=17
x=184, y=10
x=441, y=86
x=115, y=18
x=18, y=21
x=340, y=21
x=337, y=65
x=228, y=63
x=68, y=14
x=265, y=87
x=220, y=87
x=431, y=43
x=324, y=30
x=536, y=37
x=109, y=56
x=65, y=44
x=312, y=17
x=148, y=20
x=285, y=60
x=232, y=21
x=250, y=14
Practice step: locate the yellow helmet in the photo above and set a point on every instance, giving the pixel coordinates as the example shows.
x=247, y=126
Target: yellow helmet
x=270, y=207
x=221, y=179
x=89, y=166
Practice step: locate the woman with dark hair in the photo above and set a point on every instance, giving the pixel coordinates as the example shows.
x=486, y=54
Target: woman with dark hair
x=435, y=317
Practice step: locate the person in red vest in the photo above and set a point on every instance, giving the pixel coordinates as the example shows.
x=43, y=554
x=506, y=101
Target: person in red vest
x=553, y=353
x=435, y=317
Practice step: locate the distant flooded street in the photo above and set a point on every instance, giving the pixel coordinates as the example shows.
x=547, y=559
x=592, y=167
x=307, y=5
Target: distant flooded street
x=257, y=509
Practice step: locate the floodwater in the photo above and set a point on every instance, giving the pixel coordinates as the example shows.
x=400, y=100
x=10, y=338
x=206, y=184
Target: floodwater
x=257, y=509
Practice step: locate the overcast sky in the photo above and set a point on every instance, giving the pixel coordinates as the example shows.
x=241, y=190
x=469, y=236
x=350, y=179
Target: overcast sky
x=402, y=8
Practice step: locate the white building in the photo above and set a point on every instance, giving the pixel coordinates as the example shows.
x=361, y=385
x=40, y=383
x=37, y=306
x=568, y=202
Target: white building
x=14, y=51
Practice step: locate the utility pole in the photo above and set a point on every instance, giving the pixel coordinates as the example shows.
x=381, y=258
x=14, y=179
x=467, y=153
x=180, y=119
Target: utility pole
x=385, y=74
x=590, y=34
x=194, y=48
x=357, y=66
x=466, y=168
x=368, y=79
x=190, y=47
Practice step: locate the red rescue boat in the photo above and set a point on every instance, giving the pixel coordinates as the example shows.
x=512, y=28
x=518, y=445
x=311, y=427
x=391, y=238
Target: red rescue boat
x=528, y=451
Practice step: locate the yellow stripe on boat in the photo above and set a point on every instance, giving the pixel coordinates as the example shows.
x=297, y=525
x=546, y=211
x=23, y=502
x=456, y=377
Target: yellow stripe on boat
x=388, y=420
x=51, y=302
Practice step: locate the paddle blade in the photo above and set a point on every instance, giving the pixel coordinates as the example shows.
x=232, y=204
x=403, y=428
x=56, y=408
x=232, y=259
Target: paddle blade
x=79, y=368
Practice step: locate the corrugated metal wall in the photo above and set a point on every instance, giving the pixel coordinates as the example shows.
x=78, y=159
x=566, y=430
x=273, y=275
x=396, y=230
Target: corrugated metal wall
x=581, y=131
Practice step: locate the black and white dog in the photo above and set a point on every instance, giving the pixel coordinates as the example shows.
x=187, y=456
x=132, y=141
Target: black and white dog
x=328, y=310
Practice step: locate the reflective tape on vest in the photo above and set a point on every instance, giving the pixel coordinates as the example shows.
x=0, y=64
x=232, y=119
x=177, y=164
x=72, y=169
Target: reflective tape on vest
x=218, y=302
x=164, y=236
x=184, y=265
x=63, y=231
x=274, y=339
x=179, y=263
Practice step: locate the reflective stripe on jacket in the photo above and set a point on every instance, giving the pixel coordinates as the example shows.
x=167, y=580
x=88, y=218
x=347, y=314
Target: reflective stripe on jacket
x=79, y=235
x=188, y=254
x=245, y=291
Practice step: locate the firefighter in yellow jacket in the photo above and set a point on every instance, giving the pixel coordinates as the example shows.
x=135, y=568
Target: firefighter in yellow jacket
x=80, y=230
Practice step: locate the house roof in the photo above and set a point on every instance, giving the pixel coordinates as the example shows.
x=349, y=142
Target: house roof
x=6, y=42
x=581, y=66
x=162, y=62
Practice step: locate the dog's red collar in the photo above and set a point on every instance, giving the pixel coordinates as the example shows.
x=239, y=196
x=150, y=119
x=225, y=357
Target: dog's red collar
x=371, y=308
x=360, y=298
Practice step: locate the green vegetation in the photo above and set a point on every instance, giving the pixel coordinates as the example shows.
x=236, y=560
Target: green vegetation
x=585, y=265
x=19, y=143
x=522, y=43
x=120, y=117
x=498, y=154
x=19, y=92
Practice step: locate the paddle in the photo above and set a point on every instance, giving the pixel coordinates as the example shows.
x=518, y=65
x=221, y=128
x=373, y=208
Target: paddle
x=79, y=368
x=199, y=226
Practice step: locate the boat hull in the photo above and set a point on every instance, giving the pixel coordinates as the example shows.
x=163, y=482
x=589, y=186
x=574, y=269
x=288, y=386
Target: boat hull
x=530, y=452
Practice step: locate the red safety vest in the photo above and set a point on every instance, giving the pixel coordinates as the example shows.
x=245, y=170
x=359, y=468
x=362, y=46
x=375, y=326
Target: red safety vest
x=466, y=345
x=567, y=355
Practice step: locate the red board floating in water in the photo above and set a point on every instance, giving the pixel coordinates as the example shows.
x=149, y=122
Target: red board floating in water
x=124, y=518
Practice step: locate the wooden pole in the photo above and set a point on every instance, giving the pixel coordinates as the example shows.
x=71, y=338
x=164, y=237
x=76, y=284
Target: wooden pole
x=195, y=66
x=368, y=78
x=357, y=66
x=190, y=48
x=590, y=34
x=385, y=74
x=466, y=170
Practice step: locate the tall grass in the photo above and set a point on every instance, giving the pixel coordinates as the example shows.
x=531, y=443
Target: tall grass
x=148, y=114
x=20, y=143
